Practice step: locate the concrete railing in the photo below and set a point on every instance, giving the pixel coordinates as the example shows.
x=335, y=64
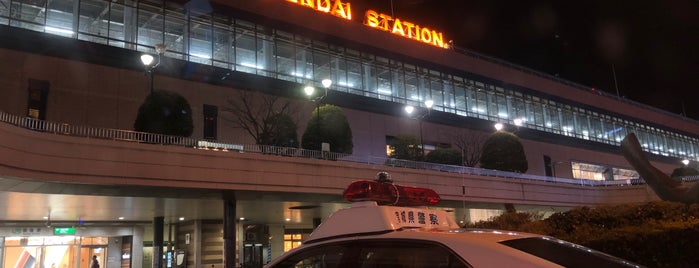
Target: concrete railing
x=150, y=138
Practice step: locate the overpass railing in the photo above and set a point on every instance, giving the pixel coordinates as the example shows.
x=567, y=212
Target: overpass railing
x=150, y=138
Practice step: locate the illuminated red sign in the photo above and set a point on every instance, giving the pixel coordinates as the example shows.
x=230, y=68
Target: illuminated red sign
x=378, y=21
x=333, y=7
x=403, y=28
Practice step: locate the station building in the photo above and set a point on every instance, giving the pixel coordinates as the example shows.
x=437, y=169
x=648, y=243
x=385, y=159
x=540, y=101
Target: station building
x=77, y=181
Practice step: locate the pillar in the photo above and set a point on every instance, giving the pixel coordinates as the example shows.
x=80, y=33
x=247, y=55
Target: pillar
x=229, y=229
x=158, y=228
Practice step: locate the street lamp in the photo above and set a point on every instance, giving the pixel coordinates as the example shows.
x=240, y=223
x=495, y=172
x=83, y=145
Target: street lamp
x=310, y=91
x=685, y=162
x=409, y=109
x=150, y=63
x=498, y=126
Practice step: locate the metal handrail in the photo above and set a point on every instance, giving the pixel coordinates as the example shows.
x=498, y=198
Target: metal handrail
x=151, y=138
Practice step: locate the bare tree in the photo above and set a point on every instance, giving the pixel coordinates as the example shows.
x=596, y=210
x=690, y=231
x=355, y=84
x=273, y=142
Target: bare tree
x=254, y=112
x=470, y=143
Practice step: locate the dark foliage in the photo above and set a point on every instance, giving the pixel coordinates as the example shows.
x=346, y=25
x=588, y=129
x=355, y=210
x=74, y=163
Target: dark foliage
x=655, y=234
x=165, y=112
x=283, y=134
x=447, y=156
x=330, y=126
x=680, y=172
x=504, y=151
x=406, y=147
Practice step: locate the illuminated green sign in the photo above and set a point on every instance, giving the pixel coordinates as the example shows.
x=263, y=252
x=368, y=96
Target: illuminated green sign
x=64, y=231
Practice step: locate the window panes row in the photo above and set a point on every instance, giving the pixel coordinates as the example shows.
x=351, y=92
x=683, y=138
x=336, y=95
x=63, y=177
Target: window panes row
x=239, y=45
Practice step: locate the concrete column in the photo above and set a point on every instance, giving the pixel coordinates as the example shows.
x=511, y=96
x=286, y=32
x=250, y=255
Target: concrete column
x=137, y=247
x=158, y=228
x=229, y=220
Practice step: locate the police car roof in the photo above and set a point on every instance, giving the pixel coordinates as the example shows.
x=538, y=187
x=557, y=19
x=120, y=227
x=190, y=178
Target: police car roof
x=369, y=218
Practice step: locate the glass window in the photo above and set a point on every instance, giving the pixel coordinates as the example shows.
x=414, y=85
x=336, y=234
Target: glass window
x=448, y=102
x=460, y=98
x=552, y=119
x=4, y=14
x=437, y=93
x=245, y=59
x=200, y=38
x=285, y=61
x=321, y=256
x=398, y=82
x=412, y=254
x=265, y=63
x=354, y=76
x=92, y=24
x=564, y=253
x=519, y=109
x=411, y=86
x=150, y=27
x=339, y=72
x=59, y=18
x=222, y=43
x=294, y=237
x=481, y=106
x=383, y=86
x=321, y=64
x=119, y=26
x=26, y=14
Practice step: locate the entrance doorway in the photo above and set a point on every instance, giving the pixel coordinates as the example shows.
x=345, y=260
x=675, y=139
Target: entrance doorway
x=86, y=253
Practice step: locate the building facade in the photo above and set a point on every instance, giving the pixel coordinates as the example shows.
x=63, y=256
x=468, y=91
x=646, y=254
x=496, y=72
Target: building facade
x=72, y=83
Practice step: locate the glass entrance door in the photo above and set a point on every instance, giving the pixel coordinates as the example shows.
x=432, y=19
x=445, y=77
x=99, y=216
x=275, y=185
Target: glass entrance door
x=87, y=253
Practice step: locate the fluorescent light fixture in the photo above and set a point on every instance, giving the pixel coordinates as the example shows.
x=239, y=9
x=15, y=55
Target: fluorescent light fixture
x=58, y=30
x=203, y=56
x=297, y=74
x=345, y=84
x=247, y=64
x=384, y=91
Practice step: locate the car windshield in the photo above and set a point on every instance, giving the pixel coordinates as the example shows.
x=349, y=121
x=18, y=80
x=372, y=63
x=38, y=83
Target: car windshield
x=565, y=253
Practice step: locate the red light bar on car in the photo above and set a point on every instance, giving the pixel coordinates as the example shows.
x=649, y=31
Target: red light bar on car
x=386, y=193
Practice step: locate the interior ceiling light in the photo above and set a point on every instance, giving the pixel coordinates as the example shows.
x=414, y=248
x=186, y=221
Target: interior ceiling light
x=304, y=207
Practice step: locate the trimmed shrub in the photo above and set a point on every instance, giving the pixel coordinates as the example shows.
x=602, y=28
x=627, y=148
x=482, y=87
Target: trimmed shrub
x=447, y=156
x=504, y=151
x=165, y=112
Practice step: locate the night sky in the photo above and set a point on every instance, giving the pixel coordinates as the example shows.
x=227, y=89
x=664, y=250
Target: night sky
x=652, y=46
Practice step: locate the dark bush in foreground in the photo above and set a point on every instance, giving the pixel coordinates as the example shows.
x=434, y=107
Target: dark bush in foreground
x=655, y=234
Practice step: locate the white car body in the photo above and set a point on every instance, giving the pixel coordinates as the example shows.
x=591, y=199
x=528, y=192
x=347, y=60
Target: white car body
x=366, y=234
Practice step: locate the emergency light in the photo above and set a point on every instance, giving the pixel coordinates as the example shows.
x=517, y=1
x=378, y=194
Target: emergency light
x=387, y=193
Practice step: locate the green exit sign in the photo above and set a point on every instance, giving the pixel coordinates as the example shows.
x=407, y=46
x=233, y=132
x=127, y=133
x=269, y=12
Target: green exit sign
x=64, y=231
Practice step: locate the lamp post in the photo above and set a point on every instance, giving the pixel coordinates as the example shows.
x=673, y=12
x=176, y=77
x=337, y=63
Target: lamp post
x=409, y=109
x=150, y=63
x=310, y=92
x=498, y=126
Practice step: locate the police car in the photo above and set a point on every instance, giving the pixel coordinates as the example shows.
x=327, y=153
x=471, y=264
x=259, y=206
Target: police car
x=389, y=225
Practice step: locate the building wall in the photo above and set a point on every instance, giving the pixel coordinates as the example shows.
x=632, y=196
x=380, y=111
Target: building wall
x=353, y=33
x=99, y=96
